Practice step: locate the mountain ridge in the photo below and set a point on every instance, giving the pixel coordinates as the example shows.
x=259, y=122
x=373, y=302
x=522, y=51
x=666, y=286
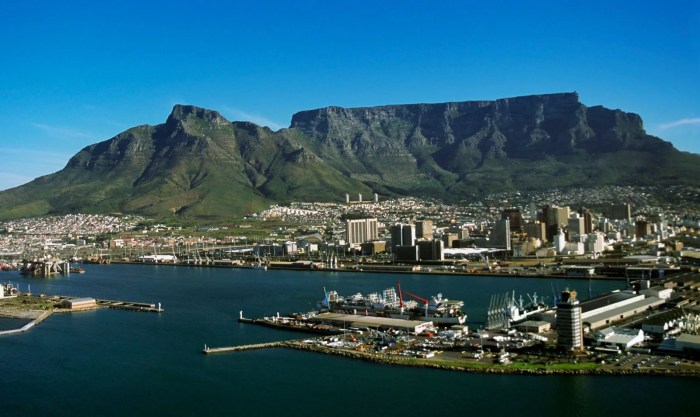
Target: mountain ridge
x=197, y=163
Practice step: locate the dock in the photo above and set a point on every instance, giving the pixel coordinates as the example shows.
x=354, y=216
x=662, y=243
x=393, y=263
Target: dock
x=128, y=305
x=207, y=350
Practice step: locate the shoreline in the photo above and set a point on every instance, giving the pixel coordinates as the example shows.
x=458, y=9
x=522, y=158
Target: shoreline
x=372, y=269
x=485, y=369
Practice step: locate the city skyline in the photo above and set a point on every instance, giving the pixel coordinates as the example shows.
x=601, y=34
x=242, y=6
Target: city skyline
x=81, y=73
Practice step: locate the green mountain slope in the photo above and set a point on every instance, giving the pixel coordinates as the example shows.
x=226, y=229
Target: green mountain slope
x=199, y=164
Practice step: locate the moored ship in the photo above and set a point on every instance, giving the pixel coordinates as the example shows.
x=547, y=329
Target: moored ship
x=439, y=310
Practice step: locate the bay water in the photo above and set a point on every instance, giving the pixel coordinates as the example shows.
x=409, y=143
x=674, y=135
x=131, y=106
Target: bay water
x=116, y=363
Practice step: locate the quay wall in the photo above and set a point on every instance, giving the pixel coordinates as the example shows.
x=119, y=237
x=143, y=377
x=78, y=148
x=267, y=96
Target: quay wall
x=379, y=270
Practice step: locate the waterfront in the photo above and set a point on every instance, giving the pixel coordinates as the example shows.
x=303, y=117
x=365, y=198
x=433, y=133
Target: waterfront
x=116, y=362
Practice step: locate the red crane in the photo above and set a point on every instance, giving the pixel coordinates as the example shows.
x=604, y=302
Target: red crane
x=417, y=298
x=398, y=284
x=426, y=302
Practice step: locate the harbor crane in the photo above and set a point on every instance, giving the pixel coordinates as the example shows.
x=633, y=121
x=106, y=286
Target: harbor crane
x=425, y=302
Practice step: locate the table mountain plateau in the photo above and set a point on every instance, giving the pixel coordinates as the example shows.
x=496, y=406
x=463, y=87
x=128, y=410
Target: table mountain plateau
x=198, y=163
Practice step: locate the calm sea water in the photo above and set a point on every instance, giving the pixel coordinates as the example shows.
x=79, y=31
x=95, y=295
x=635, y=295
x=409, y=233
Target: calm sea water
x=120, y=363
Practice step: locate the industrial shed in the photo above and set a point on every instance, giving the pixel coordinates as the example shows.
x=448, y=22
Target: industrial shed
x=372, y=322
x=79, y=303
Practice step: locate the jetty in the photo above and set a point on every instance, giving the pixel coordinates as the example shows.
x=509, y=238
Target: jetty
x=41, y=317
x=207, y=350
x=128, y=305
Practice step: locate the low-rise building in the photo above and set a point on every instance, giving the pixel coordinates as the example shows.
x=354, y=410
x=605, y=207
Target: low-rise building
x=618, y=338
x=79, y=303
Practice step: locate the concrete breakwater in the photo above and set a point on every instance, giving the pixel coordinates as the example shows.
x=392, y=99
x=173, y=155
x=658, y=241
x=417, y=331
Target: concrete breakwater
x=41, y=317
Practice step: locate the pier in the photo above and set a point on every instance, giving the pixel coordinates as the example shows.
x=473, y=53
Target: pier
x=127, y=305
x=207, y=350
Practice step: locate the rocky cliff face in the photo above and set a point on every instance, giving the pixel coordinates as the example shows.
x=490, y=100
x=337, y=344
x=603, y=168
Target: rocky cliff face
x=521, y=127
x=199, y=163
x=468, y=145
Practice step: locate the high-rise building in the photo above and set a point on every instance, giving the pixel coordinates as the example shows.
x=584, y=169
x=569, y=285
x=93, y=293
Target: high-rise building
x=500, y=235
x=515, y=218
x=559, y=241
x=595, y=242
x=619, y=212
x=448, y=239
x=402, y=235
x=554, y=217
x=424, y=229
x=642, y=228
x=587, y=221
x=536, y=229
x=576, y=226
x=431, y=250
x=361, y=230
x=569, y=329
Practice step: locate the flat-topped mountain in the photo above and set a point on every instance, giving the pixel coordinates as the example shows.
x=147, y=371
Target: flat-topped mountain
x=198, y=163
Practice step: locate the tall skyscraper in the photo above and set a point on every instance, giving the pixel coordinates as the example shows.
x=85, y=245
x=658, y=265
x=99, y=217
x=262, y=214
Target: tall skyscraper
x=569, y=330
x=554, y=217
x=587, y=221
x=500, y=236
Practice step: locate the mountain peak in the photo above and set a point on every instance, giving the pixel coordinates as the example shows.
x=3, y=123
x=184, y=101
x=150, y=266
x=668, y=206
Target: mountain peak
x=185, y=112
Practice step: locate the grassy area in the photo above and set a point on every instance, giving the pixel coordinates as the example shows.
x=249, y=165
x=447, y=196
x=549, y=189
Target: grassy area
x=26, y=302
x=568, y=366
x=519, y=366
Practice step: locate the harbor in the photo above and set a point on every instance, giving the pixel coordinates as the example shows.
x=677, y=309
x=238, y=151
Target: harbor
x=203, y=306
x=517, y=337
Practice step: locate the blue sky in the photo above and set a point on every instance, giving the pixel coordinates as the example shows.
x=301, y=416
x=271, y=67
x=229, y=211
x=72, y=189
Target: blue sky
x=73, y=73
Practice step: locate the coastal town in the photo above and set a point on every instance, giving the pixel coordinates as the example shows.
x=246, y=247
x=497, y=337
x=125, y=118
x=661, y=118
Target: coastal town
x=646, y=246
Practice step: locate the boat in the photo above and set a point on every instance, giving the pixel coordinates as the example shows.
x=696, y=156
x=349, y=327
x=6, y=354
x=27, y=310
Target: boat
x=505, y=311
x=438, y=309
